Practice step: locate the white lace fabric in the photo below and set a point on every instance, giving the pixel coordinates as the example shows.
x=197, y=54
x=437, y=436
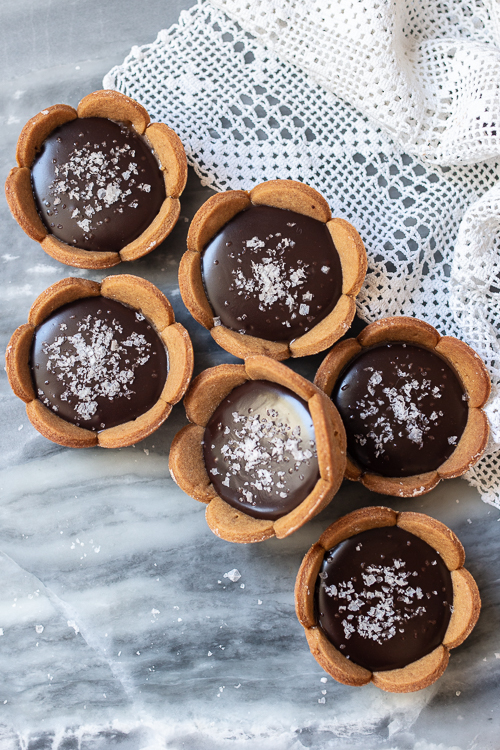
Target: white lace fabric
x=390, y=109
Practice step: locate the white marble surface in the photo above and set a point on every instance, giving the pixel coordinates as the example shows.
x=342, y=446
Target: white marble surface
x=118, y=626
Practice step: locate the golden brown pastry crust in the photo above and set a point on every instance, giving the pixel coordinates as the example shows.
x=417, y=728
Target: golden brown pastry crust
x=169, y=149
x=352, y=255
x=16, y=356
x=341, y=669
x=295, y=196
x=292, y=195
x=56, y=429
x=59, y=294
x=415, y=676
x=212, y=215
x=469, y=369
x=209, y=388
x=119, y=108
x=158, y=230
x=135, y=292
x=38, y=129
x=467, y=606
x=114, y=106
x=243, y=346
x=21, y=202
x=466, y=601
x=437, y=535
x=187, y=465
x=77, y=258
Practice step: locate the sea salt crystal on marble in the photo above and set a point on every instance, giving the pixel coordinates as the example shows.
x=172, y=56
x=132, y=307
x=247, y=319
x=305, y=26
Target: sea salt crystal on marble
x=39, y=628
x=233, y=575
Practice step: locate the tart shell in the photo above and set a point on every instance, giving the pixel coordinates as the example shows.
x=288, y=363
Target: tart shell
x=187, y=466
x=286, y=194
x=466, y=601
x=136, y=293
x=471, y=373
x=115, y=106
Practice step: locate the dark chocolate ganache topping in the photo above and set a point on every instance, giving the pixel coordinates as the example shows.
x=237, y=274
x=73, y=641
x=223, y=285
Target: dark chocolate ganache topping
x=272, y=273
x=260, y=450
x=384, y=598
x=403, y=407
x=97, y=363
x=97, y=184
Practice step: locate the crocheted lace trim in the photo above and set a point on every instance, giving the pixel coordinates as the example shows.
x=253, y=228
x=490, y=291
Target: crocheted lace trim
x=390, y=114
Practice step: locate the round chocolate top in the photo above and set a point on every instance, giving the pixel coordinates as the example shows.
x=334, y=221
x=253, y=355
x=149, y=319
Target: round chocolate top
x=97, y=184
x=260, y=450
x=384, y=598
x=403, y=408
x=97, y=363
x=272, y=273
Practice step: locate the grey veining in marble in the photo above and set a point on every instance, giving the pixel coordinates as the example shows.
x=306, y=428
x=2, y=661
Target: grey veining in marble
x=118, y=625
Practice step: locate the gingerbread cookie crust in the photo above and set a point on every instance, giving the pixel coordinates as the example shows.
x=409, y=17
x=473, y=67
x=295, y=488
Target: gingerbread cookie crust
x=77, y=362
x=270, y=272
x=411, y=404
x=379, y=605
x=99, y=184
x=192, y=472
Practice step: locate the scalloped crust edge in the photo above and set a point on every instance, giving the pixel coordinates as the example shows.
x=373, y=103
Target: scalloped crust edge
x=288, y=194
x=136, y=293
x=466, y=601
x=471, y=372
x=205, y=394
x=117, y=107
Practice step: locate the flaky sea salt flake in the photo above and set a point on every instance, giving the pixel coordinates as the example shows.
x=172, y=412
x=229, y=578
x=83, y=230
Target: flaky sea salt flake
x=233, y=575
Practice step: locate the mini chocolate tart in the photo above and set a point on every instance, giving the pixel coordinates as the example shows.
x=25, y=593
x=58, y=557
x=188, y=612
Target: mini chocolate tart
x=265, y=450
x=99, y=184
x=270, y=272
x=383, y=597
x=260, y=451
x=411, y=402
x=100, y=364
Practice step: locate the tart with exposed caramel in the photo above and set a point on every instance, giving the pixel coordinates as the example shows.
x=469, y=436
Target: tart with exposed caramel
x=383, y=597
x=269, y=271
x=411, y=402
x=100, y=363
x=265, y=449
x=97, y=184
